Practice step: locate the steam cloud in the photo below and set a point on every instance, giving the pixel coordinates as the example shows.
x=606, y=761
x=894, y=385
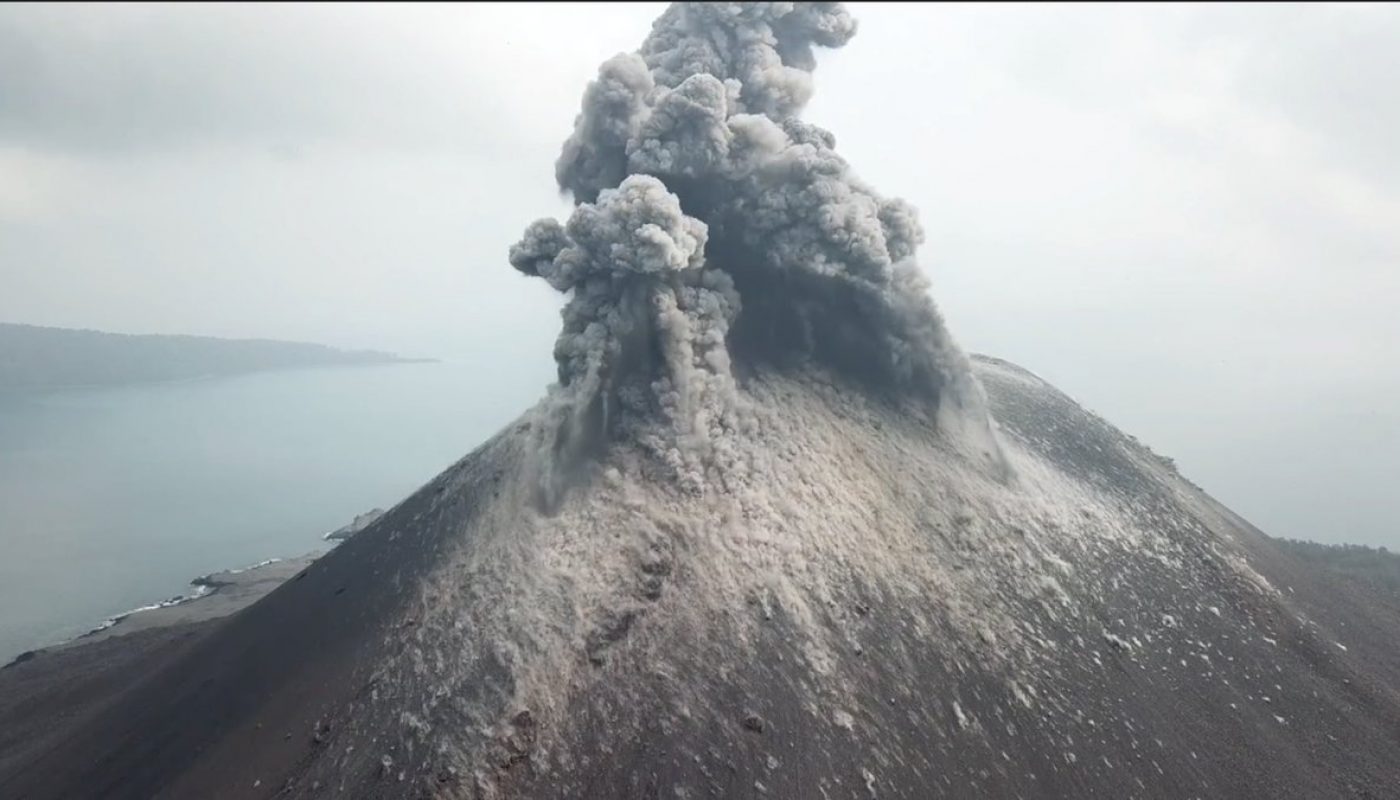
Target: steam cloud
x=699, y=187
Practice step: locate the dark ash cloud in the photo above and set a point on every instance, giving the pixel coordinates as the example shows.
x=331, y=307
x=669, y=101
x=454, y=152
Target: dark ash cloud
x=715, y=225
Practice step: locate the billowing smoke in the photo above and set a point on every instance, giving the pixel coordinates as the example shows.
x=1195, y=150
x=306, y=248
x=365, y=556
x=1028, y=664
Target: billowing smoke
x=715, y=228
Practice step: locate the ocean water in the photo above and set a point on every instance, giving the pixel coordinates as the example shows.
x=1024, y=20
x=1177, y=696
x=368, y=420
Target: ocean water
x=116, y=498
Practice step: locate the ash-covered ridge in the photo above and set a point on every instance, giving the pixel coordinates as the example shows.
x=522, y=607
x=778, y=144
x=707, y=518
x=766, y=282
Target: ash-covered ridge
x=868, y=612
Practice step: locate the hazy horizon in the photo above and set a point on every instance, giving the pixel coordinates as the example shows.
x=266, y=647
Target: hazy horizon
x=1187, y=218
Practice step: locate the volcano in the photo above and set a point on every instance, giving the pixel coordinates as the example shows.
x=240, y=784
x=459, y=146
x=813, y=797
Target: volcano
x=771, y=534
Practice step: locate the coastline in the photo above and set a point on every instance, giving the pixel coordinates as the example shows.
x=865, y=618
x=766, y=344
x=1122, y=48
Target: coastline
x=215, y=595
x=27, y=390
x=263, y=465
x=40, y=357
x=49, y=692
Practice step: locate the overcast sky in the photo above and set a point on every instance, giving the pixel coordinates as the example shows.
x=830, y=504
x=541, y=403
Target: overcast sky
x=1187, y=217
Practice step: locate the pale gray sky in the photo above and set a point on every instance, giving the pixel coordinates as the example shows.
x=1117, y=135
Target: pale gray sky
x=1188, y=217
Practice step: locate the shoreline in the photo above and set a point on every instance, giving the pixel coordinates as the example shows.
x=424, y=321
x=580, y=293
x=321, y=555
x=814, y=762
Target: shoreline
x=21, y=391
x=49, y=692
x=215, y=595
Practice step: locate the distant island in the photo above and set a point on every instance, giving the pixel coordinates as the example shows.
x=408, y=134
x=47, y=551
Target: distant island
x=34, y=357
x=1374, y=566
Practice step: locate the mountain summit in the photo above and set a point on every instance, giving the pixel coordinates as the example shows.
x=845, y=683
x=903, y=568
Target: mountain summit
x=771, y=534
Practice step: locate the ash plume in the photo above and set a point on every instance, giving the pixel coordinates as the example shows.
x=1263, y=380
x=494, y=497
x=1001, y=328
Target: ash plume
x=714, y=228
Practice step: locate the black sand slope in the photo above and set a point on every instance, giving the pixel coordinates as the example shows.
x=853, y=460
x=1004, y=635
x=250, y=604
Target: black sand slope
x=1173, y=652
x=271, y=668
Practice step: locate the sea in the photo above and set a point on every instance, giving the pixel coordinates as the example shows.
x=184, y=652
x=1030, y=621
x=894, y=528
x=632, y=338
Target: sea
x=116, y=498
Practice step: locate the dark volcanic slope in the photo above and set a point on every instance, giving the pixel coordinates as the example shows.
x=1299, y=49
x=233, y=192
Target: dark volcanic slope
x=866, y=615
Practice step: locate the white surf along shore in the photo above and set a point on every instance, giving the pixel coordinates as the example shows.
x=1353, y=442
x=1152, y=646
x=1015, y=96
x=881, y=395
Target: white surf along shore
x=218, y=594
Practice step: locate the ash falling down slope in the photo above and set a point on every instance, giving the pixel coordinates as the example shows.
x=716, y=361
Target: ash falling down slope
x=770, y=535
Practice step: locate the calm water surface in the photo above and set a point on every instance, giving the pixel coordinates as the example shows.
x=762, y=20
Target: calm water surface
x=116, y=498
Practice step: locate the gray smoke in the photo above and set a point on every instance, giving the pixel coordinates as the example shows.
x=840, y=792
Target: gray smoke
x=698, y=186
